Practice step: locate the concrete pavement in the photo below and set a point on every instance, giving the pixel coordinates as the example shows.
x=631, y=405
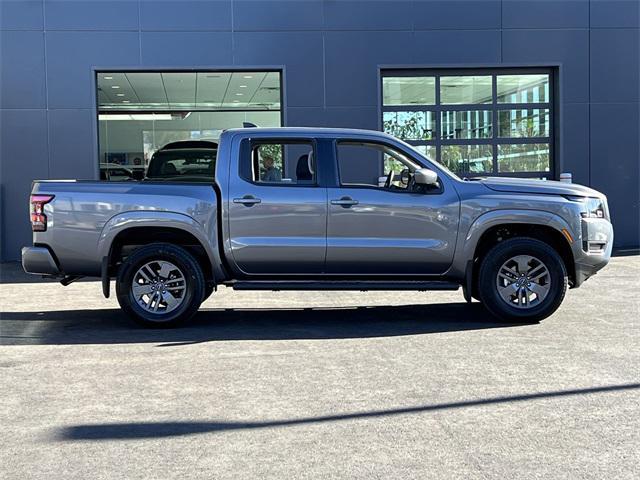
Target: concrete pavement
x=320, y=385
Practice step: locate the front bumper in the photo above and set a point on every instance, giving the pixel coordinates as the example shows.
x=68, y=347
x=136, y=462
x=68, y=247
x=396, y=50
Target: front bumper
x=39, y=261
x=594, y=252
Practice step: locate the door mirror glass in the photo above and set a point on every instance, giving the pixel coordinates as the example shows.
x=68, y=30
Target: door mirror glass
x=424, y=176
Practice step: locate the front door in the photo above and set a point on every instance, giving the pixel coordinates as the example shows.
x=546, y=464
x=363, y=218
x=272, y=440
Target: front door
x=277, y=211
x=379, y=224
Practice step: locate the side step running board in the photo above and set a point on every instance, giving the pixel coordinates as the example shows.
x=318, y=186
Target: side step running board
x=345, y=285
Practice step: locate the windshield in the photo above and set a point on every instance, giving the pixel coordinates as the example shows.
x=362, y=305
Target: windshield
x=191, y=165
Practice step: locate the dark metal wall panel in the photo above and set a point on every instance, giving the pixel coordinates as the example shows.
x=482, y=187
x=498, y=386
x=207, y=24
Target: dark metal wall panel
x=22, y=69
x=185, y=15
x=615, y=165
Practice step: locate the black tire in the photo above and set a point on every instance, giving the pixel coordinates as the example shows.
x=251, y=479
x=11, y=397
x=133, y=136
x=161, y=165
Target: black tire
x=501, y=253
x=192, y=295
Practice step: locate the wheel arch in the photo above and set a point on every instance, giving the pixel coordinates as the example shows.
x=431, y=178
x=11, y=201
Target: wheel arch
x=126, y=232
x=496, y=226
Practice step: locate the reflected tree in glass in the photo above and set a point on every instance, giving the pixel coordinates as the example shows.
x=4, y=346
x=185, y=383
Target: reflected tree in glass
x=409, y=125
x=524, y=157
x=467, y=158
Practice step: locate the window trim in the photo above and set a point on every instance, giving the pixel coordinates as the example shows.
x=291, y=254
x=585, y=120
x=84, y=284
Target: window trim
x=553, y=140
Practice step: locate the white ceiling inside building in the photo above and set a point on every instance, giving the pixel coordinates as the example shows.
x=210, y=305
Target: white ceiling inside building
x=189, y=91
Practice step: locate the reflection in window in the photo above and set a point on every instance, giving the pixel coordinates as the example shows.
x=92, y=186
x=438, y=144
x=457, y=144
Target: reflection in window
x=465, y=89
x=466, y=124
x=428, y=151
x=525, y=157
x=408, y=91
x=523, y=88
x=463, y=159
x=410, y=125
x=531, y=122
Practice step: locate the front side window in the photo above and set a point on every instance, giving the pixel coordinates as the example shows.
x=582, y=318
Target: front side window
x=281, y=163
x=374, y=165
x=474, y=122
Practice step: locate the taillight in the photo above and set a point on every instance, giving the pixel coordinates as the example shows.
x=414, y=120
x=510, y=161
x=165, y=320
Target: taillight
x=38, y=218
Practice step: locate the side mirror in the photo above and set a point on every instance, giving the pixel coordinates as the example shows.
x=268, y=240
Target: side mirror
x=424, y=176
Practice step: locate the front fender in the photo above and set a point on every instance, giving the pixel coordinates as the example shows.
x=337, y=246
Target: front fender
x=150, y=218
x=468, y=241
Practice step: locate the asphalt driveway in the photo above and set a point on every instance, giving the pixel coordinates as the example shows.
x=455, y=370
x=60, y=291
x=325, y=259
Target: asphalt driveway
x=320, y=385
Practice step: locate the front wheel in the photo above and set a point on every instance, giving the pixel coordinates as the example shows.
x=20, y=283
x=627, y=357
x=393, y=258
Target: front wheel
x=522, y=280
x=160, y=285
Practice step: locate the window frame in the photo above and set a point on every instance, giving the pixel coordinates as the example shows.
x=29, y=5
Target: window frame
x=249, y=144
x=494, y=107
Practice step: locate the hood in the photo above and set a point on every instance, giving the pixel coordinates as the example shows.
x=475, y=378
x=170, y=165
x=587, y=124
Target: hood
x=541, y=187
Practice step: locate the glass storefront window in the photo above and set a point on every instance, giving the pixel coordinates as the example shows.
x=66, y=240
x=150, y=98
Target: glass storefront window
x=141, y=112
x=527, y=157
x=463, y=159
x=410, y=125
x=523, y=88
x=487, y=121
x=409, y=91
x=428, y=151
x=466, y=124
x=465, y=89
x=533, y=122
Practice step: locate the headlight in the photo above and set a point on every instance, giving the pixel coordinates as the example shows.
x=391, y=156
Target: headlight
x=592, y=207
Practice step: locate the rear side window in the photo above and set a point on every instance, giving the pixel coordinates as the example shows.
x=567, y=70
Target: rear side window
x=280, y=163
x=182, y=165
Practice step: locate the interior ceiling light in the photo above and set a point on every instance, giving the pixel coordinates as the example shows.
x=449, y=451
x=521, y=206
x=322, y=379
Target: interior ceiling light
x=243, y=86
x=119, y=94
x=135, y=116
x=115, y=86
x=108, y=78
x=239, y=94
x=247, y=76
x=126, y=101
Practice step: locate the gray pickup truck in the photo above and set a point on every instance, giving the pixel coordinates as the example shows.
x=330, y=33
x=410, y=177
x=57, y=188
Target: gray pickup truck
x=320, y=209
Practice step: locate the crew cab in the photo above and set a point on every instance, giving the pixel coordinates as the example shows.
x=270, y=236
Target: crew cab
x=304, y=209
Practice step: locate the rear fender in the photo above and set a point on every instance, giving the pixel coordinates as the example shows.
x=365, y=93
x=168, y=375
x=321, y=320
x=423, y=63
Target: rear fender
x=125, y=220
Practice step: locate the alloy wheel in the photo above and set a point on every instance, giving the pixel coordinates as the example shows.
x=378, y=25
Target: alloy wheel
x=523, y=281
x=159, y=287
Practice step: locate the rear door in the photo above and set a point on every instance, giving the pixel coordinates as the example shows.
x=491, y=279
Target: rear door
x=277, y=210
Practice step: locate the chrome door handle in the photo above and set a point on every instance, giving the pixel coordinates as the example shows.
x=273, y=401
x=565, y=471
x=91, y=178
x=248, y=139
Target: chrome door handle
x=345, y=202
x=247, y=200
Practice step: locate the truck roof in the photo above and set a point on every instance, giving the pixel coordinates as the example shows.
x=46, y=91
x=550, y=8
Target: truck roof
x=311, y=131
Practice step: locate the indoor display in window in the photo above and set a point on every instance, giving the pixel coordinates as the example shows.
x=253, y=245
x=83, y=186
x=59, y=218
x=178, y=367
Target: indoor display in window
x=484, y=122
x=141, y=113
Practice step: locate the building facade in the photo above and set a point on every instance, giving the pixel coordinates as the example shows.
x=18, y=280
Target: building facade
x=89, y=89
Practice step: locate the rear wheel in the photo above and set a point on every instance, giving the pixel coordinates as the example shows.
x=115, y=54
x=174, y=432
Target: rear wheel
x=160, y=285
x=522, y=279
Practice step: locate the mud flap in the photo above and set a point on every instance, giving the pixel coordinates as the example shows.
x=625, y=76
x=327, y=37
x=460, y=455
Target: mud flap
x=106, y=285
x=468, y=282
